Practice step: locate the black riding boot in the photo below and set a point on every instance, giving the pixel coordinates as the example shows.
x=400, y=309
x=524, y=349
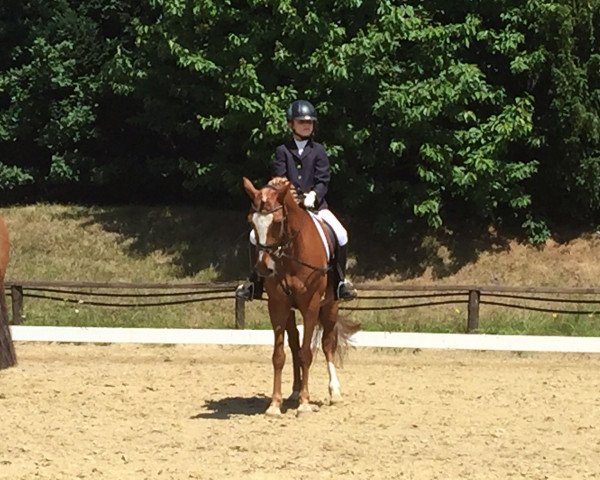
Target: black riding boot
x=253, y=288
x=345, y=290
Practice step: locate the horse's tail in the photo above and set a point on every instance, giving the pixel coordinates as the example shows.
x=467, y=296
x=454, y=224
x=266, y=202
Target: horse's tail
x=344, y=329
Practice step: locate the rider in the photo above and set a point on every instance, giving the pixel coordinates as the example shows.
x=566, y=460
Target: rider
x=304, y=163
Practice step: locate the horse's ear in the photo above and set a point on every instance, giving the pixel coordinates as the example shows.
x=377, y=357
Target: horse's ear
x=250, y=190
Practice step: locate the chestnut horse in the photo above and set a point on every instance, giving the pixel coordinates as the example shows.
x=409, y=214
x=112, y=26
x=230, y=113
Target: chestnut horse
x=7, y=351
x=293, y=260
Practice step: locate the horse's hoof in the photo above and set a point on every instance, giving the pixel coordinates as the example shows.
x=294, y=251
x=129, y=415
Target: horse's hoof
x=336, y=398
x=305, y=409
x=273, y=411
x=335, y=395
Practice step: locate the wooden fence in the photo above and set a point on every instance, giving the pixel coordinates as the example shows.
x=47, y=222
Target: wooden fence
x=406, y=296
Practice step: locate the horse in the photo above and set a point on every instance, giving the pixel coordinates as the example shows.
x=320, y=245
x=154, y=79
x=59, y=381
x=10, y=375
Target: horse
x=292, y=258
x=7, y=351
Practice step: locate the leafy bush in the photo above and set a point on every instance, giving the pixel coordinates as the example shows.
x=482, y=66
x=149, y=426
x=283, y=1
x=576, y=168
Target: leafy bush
x=487, y=109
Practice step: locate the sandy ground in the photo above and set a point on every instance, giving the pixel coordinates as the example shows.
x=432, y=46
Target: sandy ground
x=180, y=412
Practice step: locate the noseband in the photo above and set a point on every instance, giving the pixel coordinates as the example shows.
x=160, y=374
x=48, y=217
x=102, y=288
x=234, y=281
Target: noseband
x=276, y=248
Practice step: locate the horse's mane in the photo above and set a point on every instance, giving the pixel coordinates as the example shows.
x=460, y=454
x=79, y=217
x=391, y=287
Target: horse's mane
x=280, y=182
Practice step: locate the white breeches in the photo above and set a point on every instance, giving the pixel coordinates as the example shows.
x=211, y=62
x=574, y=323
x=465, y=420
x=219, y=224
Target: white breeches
x=328, y=217
x=340, y=232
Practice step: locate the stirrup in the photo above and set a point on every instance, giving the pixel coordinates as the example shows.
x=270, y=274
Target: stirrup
x=245, y=291
x=346, y=291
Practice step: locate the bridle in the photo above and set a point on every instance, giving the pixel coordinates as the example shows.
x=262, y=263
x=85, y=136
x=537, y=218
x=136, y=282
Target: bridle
x=278, y=249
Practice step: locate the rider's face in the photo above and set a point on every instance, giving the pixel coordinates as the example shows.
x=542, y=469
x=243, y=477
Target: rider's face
x=302, y=128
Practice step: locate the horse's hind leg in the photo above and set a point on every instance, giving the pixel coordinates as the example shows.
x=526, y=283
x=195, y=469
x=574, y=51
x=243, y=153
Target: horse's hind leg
x=294, y=342
x=328, y=317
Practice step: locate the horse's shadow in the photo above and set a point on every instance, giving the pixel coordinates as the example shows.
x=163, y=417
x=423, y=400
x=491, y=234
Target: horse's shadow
x=224, y=408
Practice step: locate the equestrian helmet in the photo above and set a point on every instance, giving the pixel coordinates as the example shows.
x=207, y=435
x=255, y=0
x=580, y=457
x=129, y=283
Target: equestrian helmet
x=301, y=110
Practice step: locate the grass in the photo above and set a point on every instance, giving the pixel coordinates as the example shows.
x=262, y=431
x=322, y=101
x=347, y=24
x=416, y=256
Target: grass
x=185, y=244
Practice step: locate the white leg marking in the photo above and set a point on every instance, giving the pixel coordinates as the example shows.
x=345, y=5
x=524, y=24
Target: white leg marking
x=305, y=409
x=334, y=384
x=273, y=411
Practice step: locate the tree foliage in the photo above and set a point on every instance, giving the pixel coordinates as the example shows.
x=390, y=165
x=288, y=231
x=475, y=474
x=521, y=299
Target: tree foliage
x=487, y=110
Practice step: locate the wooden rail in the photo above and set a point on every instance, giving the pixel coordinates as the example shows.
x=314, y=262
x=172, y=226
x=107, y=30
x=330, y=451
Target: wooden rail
x=421, y=295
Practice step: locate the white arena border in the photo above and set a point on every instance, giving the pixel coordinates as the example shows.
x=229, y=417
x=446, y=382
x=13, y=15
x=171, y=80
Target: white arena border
x=455, y=341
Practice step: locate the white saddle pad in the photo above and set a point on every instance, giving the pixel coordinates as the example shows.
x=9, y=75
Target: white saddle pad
x=315, y=219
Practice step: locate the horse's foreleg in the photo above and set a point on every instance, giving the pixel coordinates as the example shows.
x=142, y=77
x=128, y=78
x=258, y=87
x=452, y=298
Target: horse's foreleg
x=278, y=362
x=294, y=342
x=310, y=320
x=279, y=318
x=327, y=318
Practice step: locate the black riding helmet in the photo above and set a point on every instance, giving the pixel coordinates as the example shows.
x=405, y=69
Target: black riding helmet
x=301, y=110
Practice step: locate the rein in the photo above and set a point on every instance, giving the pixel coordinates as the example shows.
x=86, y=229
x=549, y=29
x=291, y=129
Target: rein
x=297, y=260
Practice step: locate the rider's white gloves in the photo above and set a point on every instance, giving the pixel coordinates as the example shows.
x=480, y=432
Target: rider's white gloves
x=310, y=199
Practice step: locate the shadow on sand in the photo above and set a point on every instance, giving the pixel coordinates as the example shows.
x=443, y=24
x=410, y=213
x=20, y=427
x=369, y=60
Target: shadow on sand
x=224, y=408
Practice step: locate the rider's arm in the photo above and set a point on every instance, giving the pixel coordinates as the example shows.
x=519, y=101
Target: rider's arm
x=279, y=167
x=322, y=173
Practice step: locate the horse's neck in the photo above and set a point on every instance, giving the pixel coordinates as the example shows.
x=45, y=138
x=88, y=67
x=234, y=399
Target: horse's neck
x=299, y=221
x=303, y=229
x=298, y=218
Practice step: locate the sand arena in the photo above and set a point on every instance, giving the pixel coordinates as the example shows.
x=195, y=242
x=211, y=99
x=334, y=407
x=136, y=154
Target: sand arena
x=196, y=412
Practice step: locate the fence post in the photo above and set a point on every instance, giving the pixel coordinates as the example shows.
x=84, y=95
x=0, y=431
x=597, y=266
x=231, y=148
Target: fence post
x=473, y=311
x=16, y=293
x=240, y=313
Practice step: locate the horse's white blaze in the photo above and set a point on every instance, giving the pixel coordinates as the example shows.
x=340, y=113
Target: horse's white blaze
x=334, y=383
x=262, y=221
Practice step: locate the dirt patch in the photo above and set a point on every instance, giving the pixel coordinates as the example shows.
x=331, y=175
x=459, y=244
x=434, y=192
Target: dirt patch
x=185, y=412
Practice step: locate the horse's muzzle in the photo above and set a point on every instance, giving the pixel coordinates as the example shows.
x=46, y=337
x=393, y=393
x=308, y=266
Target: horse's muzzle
x=265, y=266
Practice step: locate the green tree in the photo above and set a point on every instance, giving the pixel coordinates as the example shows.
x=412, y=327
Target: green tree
x=486, y=110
